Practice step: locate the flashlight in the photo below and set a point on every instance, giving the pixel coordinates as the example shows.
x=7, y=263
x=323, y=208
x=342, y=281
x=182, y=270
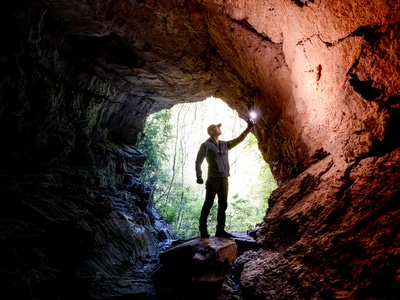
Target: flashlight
x=251, y=118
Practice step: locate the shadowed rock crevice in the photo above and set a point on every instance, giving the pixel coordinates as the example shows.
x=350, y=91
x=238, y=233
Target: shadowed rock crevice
x=390, y=141
x=365, y=88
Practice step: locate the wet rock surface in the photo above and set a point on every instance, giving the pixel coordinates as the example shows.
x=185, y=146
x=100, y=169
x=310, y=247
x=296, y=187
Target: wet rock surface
x=78, y=80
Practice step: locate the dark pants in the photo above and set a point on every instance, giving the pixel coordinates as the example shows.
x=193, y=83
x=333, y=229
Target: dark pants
x=219, y=187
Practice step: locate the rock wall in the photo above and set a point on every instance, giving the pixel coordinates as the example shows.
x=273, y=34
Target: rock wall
x=79, y=78
x=80, y=232
x=328, y=237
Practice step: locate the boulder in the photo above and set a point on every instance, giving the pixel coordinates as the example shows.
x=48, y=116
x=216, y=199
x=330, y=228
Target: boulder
x=198, y=265
x=200, y=260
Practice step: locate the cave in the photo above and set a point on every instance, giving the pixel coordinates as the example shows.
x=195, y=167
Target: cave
x=79, y=79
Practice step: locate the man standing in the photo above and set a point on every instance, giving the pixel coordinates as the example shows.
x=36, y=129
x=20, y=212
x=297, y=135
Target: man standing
x=216, y=154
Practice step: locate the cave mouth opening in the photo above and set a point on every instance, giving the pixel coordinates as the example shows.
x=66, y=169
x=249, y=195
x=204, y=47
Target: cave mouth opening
x=171, y=140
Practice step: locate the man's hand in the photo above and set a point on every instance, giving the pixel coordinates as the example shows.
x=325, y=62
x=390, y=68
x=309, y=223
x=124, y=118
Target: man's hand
x=200, y=180
x=250, y=123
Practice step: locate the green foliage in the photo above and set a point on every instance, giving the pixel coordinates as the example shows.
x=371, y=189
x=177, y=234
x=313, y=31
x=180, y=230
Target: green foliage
x=266, y=183
x=180, y=203
x=243, y=214
x=155, y=144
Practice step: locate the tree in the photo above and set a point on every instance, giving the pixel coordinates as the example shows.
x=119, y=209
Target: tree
x=155, y=144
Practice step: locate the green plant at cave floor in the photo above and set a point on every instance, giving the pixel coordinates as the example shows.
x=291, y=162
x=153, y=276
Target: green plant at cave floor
x=166, y=146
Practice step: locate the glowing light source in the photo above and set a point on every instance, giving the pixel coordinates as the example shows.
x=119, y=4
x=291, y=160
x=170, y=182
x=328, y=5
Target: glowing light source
x=253, y=115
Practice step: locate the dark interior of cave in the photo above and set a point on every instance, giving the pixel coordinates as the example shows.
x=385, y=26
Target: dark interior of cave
x=80, y=78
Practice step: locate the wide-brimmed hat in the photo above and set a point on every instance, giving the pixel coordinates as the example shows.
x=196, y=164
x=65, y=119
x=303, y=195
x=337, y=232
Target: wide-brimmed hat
x=212, y=126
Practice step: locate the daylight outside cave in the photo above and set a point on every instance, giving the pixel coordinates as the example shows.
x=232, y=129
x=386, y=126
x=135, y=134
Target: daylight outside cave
x=171, y=141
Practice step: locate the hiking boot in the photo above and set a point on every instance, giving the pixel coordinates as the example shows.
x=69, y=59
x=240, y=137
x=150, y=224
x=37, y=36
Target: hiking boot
x=203, y=232
x=222, y=233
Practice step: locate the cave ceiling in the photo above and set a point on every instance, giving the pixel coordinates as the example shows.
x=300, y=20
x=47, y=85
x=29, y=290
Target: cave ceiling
x=320, y=74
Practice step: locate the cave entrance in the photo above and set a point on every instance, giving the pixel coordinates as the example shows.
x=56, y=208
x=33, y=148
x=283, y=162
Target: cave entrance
x=171, y=141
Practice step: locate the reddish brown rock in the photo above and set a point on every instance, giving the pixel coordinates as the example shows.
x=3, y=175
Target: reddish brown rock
x=334, y=237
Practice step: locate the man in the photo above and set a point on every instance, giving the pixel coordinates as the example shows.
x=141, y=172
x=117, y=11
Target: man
x=216, y=154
